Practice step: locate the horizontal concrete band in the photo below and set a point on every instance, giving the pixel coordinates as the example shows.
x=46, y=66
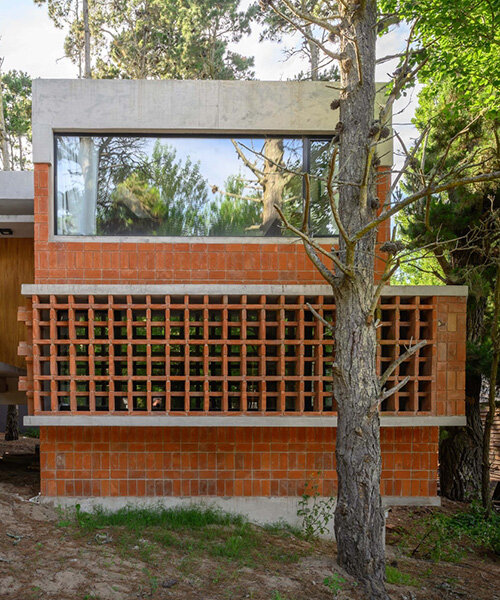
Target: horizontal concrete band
x=17, y=219
x=185, y=107
x=228, y=421
x=223, y=289
x=258, y=509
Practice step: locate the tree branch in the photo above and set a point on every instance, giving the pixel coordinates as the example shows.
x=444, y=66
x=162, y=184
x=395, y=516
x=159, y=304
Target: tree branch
x=392, y=367
x=424, y=192
x=386, y=393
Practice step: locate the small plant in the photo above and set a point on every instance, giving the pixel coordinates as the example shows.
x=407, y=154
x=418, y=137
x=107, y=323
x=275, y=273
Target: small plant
x=277, y=596
x=31, y=432
x=334, y=583
x=396, y=577
x=448, y=537
x=316, y=512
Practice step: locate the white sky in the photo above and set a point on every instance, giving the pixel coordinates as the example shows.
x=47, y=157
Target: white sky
x=30, y=42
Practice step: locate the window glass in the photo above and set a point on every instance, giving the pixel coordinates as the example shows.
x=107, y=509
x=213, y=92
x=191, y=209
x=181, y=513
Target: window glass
x=188, y=186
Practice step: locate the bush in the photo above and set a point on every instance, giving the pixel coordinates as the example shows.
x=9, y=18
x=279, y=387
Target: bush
x=449, y=537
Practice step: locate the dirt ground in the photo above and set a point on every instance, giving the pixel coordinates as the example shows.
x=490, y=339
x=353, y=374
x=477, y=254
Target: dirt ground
x=40, y=559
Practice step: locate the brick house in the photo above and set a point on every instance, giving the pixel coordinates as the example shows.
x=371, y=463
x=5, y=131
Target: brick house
x=169, y=348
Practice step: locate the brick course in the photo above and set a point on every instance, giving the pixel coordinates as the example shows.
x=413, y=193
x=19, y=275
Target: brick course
x=222, y=461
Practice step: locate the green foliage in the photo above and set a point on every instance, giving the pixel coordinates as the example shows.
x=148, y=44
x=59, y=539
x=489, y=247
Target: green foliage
x=460, y=42
x=231, y=213
x=31, y=432
x=174, y=39
x=334, y=583
x=316, y=512
x=277, y=26
x=16, y=86
x=160, y=196
x=449, y=537
x=396, y=577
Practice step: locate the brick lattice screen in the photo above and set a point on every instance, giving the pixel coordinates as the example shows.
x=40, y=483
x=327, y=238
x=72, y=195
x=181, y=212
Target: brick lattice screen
x=199, y=354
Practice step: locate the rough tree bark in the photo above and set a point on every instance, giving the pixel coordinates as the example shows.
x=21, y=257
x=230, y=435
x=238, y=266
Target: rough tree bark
x=359, y=518
x=12, y=423
x=273, y=180
x=87, y=72
x=495, y=339
x=4, y=144
x=460, y=453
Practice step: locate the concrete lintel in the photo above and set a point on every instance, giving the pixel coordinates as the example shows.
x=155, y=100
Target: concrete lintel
x=16, y=192
x=226, y=421
x=222, y=289
x=169, y=106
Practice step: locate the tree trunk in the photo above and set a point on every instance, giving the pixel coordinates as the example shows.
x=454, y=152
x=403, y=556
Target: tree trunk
x=460, y=453
x=4, y=144
x=86, y=32
x=359, y=518
x=488, y=424
x=273, y=183
x=12, y=424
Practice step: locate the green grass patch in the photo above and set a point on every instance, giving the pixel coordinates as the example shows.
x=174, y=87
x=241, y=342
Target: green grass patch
x=397, y=577
x=137, y=519
x=192, y=533
x=450, y=537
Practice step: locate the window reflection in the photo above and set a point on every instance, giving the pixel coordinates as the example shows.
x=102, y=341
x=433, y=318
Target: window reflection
x=188, y=186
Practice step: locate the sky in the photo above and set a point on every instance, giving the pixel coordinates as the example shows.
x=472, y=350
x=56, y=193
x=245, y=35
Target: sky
x=30, y=42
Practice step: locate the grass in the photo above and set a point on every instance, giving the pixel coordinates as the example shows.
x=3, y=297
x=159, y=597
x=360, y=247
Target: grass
x=136, y=519
x=192, y=532
x=449, y=537
x=397, y=577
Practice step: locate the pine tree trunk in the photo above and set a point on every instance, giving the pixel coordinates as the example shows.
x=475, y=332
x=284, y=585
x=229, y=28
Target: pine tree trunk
x=359, y=519
x=4, y=144
x=273, y=183
x=460, y=450
x=12, y=424
x=488, y=425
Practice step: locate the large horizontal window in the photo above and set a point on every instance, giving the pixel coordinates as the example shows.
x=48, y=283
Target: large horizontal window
x=189, y=186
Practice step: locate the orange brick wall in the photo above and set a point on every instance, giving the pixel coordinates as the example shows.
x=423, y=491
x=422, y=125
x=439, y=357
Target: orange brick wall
x=450, y=355
x=193, y=262
x=223, y=461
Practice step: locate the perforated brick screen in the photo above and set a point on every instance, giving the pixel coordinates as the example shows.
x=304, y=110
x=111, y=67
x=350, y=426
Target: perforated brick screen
x=212, y=354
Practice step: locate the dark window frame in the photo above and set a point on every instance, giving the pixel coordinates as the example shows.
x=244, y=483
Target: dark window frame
x=306, y=165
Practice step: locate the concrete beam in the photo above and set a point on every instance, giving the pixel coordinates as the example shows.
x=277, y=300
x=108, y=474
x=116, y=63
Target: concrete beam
x=162, y=107
x=58, y=420
x=16, y=192
x=22, y=226
x=221, y=289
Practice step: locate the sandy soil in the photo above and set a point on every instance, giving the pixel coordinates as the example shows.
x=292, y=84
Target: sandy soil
x=39, y=559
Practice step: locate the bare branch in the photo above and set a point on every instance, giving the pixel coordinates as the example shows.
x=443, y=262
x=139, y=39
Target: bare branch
x=309, y=242
x=320, y=318
x=257, y=172
x=392, y=367
x=420, y=194
x=386, y=393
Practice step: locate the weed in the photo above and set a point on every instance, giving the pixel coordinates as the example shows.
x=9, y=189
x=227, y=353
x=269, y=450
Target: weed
x=31, y=432
x=316, y=512
x=449, y=537
x=334, y=583
x=397, y=577
x=283, y=529
x=277, y=596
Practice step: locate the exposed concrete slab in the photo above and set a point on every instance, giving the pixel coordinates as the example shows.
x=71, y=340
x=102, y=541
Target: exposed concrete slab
x=221, y=289
x=57, y=420
x=145, y=106
x=260, y=510
x=16, y=192
x=22, y=226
